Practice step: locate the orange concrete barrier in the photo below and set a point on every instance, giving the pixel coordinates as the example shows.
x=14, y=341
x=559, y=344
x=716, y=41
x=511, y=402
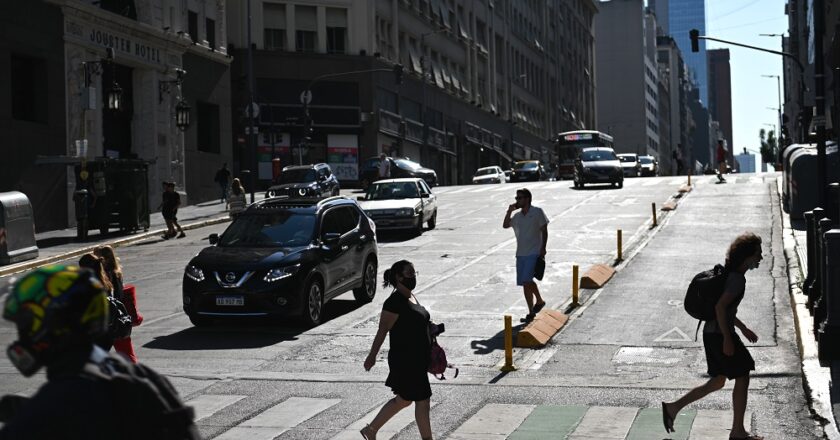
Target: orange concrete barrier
x=685, y=188
x=596, y=276
x=539, y=331
x=669, y=206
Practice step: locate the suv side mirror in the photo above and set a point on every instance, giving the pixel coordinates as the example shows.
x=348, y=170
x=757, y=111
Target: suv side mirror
x=330, y=238
x=213, y=238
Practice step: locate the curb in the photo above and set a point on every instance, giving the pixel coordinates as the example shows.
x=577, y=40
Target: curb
x=816, y=378
x=125, y=241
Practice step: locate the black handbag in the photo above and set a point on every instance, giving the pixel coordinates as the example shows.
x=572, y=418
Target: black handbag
x=539, y=268
x=119, y=321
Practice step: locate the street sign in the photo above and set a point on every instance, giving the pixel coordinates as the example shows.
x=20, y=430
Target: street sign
x=306, y=97
x=252, y=110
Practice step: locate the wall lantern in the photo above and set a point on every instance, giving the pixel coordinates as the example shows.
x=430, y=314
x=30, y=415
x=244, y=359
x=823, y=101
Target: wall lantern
x=113, y=94
x=182, y=115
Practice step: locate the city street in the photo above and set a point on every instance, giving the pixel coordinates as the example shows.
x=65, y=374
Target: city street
x=628, y=347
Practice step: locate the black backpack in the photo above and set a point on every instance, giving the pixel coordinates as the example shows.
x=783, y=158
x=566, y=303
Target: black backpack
x=154, y=407
x=119, y=320
x=704, y=292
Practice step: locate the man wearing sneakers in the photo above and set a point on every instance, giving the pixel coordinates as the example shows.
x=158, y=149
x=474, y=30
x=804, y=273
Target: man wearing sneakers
x=530, y=225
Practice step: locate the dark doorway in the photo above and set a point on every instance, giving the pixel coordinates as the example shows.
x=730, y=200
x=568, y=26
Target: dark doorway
x=116, y=124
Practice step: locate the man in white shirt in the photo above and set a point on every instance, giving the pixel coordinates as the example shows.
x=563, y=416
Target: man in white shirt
x=530, y=225
x=384, y=166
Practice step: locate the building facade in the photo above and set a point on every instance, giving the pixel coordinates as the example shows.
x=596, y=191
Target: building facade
x=141, y=49
x=484, y=82
x=720, y=93
x=683, y=16
x=627, y=76
x=682, y=128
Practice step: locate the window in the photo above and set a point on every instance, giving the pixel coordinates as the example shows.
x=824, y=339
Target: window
x=210, y=30
x=192, y=25
x=336, y=30
x=208, y=127
x=306, y=32
x=28, y=88
x=274, y=30
x=340, y=221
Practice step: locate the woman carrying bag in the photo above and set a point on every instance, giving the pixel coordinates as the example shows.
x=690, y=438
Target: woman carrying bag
x=125, y=293
x=407, y=324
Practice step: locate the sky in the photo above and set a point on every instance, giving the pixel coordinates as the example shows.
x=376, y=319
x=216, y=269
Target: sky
x=742, y=21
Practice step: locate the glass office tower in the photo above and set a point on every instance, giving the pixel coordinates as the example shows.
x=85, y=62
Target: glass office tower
x=683, y=16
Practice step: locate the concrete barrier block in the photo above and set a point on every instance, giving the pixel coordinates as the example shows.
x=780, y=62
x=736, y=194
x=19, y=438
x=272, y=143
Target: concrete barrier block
x=596, y=276
x=669, y=206
x=539, y=331
x=685, y=188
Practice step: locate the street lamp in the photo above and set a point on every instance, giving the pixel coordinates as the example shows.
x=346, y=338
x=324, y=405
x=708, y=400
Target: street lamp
x=779, y=95
x=113, y=96
x=182, y=114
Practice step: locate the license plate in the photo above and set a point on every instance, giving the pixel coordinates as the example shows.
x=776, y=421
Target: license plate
x=230, y=301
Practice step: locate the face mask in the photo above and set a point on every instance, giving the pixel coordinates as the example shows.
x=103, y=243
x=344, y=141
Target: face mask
x=409, y=283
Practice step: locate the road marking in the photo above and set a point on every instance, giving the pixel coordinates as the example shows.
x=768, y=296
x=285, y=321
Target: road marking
x=605, y=423
x=278, y=419
x=648, y=425
x=460, y=190
x=206, y=405
x=395, y=425
x=715, y=424
x=756, y=179
x=494, y=421
x=678, y=336
x=549, y=421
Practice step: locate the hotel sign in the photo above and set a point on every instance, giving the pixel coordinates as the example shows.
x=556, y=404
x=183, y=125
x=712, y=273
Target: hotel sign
x=122, y=44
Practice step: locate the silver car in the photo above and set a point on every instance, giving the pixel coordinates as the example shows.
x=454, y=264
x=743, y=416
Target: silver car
x=405, y=203
x=630, y=164
x=491, y=174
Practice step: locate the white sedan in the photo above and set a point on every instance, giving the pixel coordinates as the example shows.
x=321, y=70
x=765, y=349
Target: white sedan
x=492, y=174
x=400, y=204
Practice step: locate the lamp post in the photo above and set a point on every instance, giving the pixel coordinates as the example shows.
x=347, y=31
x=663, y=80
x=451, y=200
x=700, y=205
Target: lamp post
x=779, y=95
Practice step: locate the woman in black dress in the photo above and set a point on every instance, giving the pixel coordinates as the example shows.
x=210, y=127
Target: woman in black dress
x=407, y=323
x=726, y=355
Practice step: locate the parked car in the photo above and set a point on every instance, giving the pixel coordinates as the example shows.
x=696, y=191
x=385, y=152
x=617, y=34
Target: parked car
x=598, y=165
x=650, y=166
x=630, y=164
x=492, y=174
x=507, y=174
x=315, y=180
x=400, y=204
x=526, y=170
x=283, y=257
x=399, y=168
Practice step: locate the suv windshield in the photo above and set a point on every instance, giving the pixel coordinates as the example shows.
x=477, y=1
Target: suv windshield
x=300, y=175
x=486, y=171
x=627, y=158
x=283, y=229
x=392, y=190
x=596, y=155
x=525, y=166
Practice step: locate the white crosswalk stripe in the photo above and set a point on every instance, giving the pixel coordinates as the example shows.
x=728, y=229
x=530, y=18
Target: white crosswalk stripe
x=206, y=405
x=395, y=425
x=605, y=423
x=495, y=421
x=278, y=419
x=714, y=424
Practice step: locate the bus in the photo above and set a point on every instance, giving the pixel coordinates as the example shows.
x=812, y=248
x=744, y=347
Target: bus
x=569, y=144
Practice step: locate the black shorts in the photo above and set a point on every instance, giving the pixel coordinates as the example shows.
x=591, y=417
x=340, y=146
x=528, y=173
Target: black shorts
x=738, y=365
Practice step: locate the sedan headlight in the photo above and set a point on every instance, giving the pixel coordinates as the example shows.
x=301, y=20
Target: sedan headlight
x=405, y=212
x=281, y=273
x=194, y=273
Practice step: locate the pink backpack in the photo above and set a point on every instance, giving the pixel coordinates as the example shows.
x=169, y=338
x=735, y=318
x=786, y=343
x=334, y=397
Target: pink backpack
x=437, y=361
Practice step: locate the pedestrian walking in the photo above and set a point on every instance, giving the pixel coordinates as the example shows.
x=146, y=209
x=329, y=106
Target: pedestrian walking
x=407, y=323
x=96, y=265
x=223, y=179
x=530, y=226
x=384, y=166
x=169, y=209
x=125, y=293
x=59, y=311
x=721, y=161
x=726, y=355
x=237, y=197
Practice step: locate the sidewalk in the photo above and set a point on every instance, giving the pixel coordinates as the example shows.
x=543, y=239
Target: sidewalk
x=821, y=381
x=59, y=245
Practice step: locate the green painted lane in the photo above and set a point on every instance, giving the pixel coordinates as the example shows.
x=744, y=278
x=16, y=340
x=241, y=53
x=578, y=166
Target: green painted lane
x=549, y=421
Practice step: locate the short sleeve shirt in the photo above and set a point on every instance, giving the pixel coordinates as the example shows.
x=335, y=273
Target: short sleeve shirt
x=385, y=168
x=528, y=231
x=409, y=337
x=735, y=283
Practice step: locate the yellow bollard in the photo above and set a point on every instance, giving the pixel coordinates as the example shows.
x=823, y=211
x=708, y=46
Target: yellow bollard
x=689, y=179
x=508, y=346
x=618, y=245
x=653, y=209
x=575, y=292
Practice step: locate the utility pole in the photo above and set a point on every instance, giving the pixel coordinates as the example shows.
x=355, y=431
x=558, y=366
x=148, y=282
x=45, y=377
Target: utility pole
x=819, y=98
x=252, y=147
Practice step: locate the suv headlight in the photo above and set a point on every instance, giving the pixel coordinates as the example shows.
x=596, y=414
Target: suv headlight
x=281, y=273
x=194, y=273
x=405, y=212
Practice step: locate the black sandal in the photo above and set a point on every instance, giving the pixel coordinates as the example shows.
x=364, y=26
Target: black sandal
x=537, y=308
x=528, y=318
x=667, y=420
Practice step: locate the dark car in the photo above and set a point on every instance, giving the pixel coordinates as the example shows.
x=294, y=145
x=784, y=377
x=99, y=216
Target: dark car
x=316, y=181
x=598, y=165
x=525, y=170
x=399, y=168
x=283, y=257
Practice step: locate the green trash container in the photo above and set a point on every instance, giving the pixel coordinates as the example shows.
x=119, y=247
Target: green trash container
x=118, y=194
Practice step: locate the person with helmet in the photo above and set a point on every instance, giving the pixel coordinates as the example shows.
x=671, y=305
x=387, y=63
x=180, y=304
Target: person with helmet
x=59, y=312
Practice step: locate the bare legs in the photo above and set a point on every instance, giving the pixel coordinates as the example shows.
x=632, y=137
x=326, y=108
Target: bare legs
x=395, y=405
x=531, y=291
x=739, y=401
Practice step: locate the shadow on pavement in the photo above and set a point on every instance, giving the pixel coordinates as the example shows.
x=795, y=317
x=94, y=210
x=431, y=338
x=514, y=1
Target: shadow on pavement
x=798, y=225
x=395, y=236
x=493, y=343
x=594, y=187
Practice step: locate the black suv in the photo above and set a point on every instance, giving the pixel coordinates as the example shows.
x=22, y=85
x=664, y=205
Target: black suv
x=399, y=168
x=283, y=257
x=297, y=181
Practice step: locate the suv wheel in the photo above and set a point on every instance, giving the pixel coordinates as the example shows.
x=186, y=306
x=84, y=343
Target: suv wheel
x=365, y=293
x=620, y=184
x=433, y=221
x=419, y=229
x=313, y=303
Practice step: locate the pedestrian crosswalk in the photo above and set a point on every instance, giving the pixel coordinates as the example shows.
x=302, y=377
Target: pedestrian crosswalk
x=491, y=421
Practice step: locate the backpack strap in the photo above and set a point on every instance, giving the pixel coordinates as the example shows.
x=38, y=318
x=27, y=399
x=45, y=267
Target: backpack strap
x=697, y=330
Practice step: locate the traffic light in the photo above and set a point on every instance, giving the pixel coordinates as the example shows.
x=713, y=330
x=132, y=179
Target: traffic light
x=694, y=34
x=398, y=73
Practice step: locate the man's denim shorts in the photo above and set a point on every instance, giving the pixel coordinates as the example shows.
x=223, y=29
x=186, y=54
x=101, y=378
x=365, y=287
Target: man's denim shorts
x=525, y=269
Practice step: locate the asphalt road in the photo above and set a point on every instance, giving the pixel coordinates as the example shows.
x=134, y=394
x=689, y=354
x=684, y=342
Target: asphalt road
x=629, y=346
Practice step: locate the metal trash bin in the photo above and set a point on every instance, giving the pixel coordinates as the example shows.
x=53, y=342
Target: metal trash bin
x=17, y=228
x=786, y=165
x=803, y=178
